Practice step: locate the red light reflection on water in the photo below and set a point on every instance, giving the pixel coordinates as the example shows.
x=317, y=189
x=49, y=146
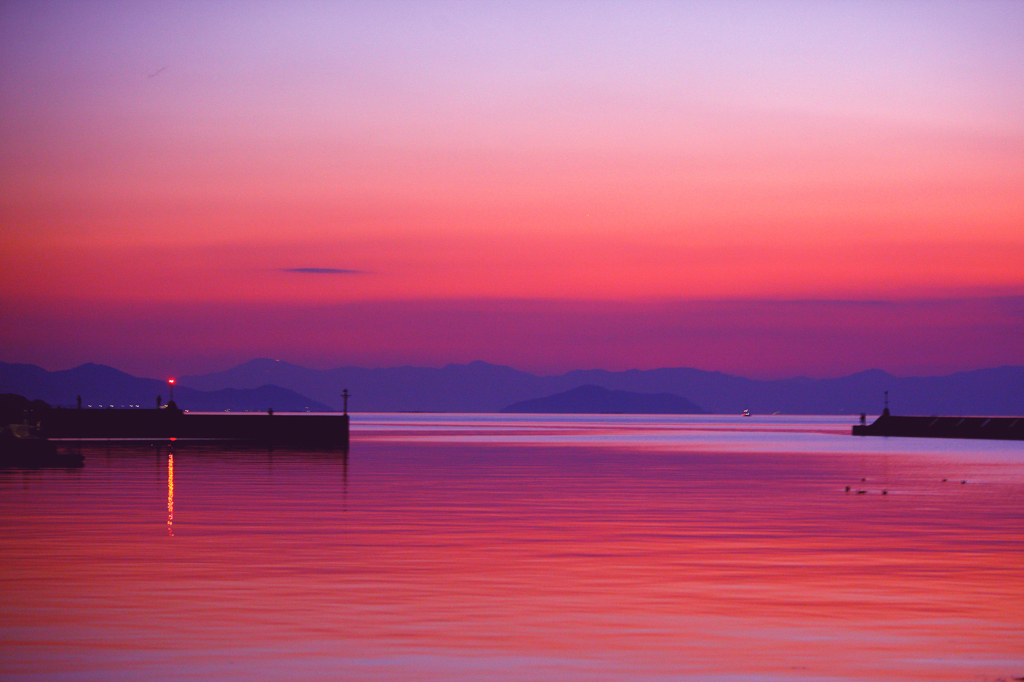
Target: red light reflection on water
x=170, y=494
x=432, y=560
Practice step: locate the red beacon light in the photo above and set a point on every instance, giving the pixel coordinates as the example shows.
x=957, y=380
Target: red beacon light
x=170, y=382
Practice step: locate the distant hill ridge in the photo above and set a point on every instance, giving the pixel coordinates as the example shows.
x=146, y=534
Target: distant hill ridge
x=590, y=399
x=484, y=387
x=102, y=386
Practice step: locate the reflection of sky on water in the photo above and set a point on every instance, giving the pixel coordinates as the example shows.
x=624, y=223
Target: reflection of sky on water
x=468, y=420
x=809, y=434
x=498, y=548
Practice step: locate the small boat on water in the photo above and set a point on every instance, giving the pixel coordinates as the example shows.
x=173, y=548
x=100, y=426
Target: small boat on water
x=746, y=413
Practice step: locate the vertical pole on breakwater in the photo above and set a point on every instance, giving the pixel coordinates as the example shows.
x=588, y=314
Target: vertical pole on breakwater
x=344, y=396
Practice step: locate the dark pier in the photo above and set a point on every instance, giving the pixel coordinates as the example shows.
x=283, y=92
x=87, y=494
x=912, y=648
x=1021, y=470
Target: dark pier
x=990, y=428
x=265, y=428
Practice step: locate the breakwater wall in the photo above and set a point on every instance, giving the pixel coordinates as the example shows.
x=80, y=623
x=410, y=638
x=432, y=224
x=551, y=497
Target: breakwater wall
x=989, y=428
x=327, y=430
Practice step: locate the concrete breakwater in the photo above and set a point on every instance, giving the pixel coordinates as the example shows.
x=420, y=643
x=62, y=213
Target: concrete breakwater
x=990, y=428
x=325, y=430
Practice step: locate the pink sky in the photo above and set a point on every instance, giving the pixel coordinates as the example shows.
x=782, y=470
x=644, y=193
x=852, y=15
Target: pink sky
x=550, y=186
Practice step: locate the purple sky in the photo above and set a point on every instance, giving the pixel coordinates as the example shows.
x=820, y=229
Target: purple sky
x=762, y=188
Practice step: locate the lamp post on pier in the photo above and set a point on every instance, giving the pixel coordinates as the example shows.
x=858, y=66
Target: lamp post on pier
x=345, y=394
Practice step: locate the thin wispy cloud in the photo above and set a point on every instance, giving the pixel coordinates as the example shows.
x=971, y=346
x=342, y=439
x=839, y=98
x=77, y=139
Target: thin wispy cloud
x=323, y=271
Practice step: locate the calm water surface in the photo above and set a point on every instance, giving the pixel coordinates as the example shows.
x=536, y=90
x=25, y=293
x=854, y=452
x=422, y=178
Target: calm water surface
x=487, y=547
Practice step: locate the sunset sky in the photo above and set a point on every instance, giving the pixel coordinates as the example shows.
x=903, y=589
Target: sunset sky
x=766, y=189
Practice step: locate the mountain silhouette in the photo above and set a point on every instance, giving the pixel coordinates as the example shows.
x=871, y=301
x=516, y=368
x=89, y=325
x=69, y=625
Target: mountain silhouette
x=590, y=399
x=485, y=387
x=102, y=386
